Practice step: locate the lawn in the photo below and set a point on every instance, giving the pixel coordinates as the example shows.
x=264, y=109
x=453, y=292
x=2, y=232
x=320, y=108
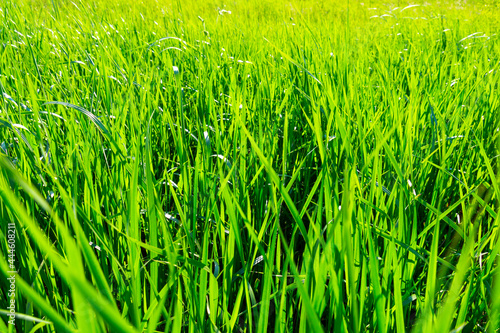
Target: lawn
x=249, y=166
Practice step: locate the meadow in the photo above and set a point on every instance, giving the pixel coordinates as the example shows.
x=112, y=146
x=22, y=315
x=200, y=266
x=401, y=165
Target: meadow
x=249, y=166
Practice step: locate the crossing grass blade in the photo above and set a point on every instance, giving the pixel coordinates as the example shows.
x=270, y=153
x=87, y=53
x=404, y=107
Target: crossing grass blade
x=87, y=113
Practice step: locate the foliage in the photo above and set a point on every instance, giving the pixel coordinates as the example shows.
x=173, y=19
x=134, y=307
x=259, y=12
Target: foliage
x=263, y=165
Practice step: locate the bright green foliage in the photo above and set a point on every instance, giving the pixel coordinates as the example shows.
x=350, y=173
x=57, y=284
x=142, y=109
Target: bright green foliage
x=253, y=166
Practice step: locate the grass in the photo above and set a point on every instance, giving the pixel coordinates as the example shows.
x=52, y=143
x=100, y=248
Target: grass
x=250, y=166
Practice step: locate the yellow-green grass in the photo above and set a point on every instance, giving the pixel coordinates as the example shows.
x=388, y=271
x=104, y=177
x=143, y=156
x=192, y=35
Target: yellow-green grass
x=250, y=166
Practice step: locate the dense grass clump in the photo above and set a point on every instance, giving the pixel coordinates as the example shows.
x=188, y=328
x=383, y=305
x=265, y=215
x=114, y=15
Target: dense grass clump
x=250, y=166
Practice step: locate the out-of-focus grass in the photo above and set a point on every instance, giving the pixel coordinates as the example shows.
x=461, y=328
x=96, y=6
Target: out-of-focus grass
x=250, y=166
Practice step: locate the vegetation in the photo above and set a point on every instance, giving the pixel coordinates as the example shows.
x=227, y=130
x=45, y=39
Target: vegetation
x=251, y=166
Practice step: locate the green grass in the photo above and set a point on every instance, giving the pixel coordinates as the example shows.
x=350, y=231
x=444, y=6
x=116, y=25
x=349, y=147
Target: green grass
x=256, y=166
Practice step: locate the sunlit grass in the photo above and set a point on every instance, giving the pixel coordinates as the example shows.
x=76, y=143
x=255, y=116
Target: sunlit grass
x=250, y=167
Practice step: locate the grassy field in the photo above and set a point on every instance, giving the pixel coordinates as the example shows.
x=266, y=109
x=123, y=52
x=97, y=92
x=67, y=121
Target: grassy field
x=253, y=166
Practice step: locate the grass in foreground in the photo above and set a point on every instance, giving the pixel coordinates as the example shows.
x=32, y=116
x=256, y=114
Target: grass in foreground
x=250, y=167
